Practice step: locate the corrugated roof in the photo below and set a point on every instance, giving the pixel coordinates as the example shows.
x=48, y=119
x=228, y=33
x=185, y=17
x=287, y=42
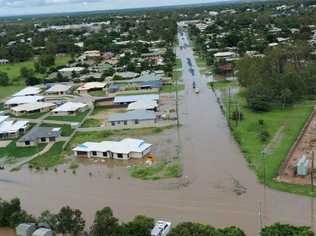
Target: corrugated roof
x=40, y=132
x=32, y=106
x=133, y=115
x=28, y=91
x=70, y=106
x=58, y=88
x=142, y=105
x=134, y=98
x=12, y=126
x=24, y=100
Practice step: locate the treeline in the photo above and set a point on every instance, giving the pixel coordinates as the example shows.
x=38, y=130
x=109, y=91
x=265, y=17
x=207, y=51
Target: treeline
x=284, y=76
x=70, y=221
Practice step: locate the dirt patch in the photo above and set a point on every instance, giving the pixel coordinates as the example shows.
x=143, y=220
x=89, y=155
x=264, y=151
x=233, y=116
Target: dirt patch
x=4, y=144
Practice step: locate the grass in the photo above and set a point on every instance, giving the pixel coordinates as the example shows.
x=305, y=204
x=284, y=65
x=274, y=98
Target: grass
x=6, y=91
x=157, y=171
x=223, y=84
x=246, y=134
x=50, y=159
x=91, y=123
x=66, y=130
x=171, y=88
x=97, y=93
x=99, y=109
x=13, y=152
x=75, y=118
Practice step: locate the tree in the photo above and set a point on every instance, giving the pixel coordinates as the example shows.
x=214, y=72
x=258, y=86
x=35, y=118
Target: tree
x=139, y=226
x=258, y=98
x=193, y=229
x=11, y=213
x=46, y=60
x=232, y=231
x=69, y=221
x=4, y=79
x=286, y=230
x=105, y=223
x=48, y=218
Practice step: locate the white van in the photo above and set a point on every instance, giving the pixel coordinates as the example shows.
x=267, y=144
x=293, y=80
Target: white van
x=162, y=228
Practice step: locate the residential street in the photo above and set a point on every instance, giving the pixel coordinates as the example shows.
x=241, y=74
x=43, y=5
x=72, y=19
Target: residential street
x=217, y=187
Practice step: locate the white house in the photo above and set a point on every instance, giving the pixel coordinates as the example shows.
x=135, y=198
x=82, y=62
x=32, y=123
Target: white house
x=16, y=101
x=4, y=61
x=69, y=108
x=28, y=91
x=143, y=118
x=30, y=108
x=10, y=129
x=228, y=56
x=58, y=89
x=122, y=150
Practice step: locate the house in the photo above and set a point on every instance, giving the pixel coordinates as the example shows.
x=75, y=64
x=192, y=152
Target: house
x=4, y=61
x=93, y=55
x=16, y=101
x=58, y=89
x=133, y=118
x=10, y=129
x=143, y=105
x=30, y=108
x=126, y=75
x=122, y=150
x=25, y=229
x=91, y=86
x=134, y=98
x=39, y=135
x=43, y=232
x=28, y=91
x=227, y=56
x=68, y=72
x=69, y=108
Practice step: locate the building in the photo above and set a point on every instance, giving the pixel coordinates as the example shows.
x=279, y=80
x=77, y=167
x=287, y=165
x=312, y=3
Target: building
x=28, y=91
x=133, y=118
x=70, y=108
x=126, y=75
x=58, y=89
x=30, y=108
x=134, y=98
x=39, y=135
x=69, y=71
x=143, y=105
x=25, y=229
x=43, y=232
x=16, y=101
x=91, y=86
x=10, y=129
x=122, y=150
x=227, y=56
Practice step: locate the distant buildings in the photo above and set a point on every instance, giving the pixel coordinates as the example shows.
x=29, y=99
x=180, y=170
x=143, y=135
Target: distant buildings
x=123, y=150
x=91, y=86
x=30, y=108
x=58, y=89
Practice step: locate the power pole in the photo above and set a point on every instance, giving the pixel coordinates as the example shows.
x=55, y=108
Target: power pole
x=229, y=107
x=260, y=218
x=312, y=172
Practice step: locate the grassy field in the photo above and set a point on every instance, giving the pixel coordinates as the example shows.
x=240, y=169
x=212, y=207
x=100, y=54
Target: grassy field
x=171, y=88
x=66, y=130
x=157, y=171
x=223, y=84
x=76, y=118
x=97, y=93
x=50, y=159
x=13, y=152
x=91, y=123
x=290, y=121
x=13, y=71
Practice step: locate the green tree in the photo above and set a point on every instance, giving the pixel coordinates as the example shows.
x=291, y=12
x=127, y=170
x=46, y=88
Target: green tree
x=139, y=226
x=4, y=79
x=105, y=223
x=69, y=221
x=286, y=230
x=193, y=229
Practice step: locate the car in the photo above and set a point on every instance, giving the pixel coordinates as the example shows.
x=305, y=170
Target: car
x=161, y=228
x=197, y=90
x=193, y=84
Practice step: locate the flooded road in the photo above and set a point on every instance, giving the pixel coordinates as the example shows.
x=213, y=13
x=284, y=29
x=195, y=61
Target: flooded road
x=217, y=187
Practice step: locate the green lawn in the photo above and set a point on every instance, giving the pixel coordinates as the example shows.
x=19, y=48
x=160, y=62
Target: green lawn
x=31, y=116
x=97, y=93
x=246, y=134
x=91, y=123
x=75, y=118
x=50, y=159
x=13, y=152
x=66, y=130
x=171, y=88
x=223, y=84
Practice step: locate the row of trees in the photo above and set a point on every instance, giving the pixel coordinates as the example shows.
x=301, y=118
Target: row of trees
x=70, y=221
x=286, y=75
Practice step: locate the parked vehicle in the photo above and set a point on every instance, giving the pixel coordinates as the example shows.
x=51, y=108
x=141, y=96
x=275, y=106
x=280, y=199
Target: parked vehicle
x=197, y=90
x=162, y=228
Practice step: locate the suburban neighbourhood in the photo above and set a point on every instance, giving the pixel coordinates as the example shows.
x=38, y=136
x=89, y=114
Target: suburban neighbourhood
x=183, y=120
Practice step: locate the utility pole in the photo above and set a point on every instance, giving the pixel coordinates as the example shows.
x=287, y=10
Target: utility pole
x=264, y=181
x=312, y=172
x=260, y=218
x=229, y=107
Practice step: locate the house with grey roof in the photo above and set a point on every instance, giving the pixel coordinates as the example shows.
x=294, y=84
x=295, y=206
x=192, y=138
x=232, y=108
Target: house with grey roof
x=134, y=118
x=25, y=229
x=39, y=135
x=43, y=232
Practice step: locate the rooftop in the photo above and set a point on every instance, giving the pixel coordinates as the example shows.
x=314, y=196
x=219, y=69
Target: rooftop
x=40, y=132
x=133, y=115
x=24, y=100
x=58, y=88
x=70, y=106
x=134, y=98
x=32, y=106
x=28, y=91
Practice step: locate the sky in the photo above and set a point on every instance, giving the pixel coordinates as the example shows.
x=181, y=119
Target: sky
x=26, y=7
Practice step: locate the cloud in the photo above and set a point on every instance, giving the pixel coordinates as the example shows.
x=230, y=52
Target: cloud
x=40, y=3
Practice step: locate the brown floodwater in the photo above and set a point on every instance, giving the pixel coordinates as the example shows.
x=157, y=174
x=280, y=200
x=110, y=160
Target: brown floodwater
x=217, y=188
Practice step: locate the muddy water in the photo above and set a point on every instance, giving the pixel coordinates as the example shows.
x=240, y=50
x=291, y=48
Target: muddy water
x=217, y=187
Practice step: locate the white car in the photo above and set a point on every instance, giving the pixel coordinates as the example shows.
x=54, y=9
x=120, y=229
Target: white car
x=197, y=90
x=162, y=228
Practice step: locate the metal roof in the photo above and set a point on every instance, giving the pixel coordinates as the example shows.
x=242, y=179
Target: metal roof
x=134, y=98
x=28, y=91
x=70, y=106
x=133, y=115
x=24, y=100
x=41, y=132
